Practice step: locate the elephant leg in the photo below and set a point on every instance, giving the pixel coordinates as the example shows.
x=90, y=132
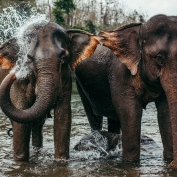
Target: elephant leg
x=21, y=140
x=37, y=137
x=129, y=111
x=113, y=126
x=95, y=121
x=131, y=131
x=165, y=126
x=62, y=126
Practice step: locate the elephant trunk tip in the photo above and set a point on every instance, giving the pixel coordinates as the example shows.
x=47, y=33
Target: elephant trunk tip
x=12, y=75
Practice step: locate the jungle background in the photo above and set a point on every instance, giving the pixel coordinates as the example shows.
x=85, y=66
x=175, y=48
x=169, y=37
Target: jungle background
x=88, y=15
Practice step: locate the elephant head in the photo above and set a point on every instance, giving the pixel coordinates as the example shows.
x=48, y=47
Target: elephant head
x=45, y=51
x=41, y=79
x=150, y=49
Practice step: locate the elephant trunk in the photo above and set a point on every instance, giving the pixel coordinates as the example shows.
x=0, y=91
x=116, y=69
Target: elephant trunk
x=47, y=86
x=170, y=89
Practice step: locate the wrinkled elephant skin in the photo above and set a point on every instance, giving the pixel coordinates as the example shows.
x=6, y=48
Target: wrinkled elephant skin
x=29, y=96
x=147, y=64
x=141, y=70
x=39, y=82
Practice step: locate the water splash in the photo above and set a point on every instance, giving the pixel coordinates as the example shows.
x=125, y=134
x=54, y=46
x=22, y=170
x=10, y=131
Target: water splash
x=22, y=68
x=13, y=17
x=95, y=146
x=14, y=22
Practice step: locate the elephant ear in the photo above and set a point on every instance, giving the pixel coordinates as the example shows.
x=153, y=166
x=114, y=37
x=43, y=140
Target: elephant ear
x=82, y=45
x=9, y=53
x=124, y=42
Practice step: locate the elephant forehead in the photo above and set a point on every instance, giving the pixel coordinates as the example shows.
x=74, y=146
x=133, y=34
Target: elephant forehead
x=156, y=45
x=172, y=47
x=39, y=26
x=30, y=26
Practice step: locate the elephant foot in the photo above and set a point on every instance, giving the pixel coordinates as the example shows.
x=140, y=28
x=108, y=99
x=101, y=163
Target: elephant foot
x=21, y=157
x=60, y=158
x=173, y=165
x=36, y=148
x=37, y=144
x=131, y=158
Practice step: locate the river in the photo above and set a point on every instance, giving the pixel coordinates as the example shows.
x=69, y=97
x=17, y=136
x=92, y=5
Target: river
x=84, y=164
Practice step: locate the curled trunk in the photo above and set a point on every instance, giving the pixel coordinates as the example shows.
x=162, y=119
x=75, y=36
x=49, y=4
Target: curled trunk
x=44, y=100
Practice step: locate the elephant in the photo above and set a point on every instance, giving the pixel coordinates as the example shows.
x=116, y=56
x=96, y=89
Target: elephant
x=40, y=80
x=119, y=85
x=111, y=85
x=8, y=57
x=145, y=71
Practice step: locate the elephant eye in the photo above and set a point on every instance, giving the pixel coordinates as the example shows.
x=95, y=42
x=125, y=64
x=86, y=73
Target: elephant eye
x=160, y=59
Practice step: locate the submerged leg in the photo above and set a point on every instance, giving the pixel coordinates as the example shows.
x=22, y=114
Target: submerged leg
x=21, y=140
x=37, y=137
x=165, y=126
x=95, y=121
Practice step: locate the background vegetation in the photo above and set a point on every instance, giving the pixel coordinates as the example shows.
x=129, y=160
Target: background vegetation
x=89, y=15
x=93, y=15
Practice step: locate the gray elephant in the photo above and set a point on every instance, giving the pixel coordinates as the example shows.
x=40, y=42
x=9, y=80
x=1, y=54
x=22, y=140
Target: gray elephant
x=41, y=81
x=115, y=88
x=120, y=87
x=8, y=57
x=147, y=63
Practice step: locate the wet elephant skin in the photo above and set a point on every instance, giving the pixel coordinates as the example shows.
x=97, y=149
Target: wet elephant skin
x=122, y=87
x=47, y=85
x=49, y=72
x=8, y=57
x=119, y=88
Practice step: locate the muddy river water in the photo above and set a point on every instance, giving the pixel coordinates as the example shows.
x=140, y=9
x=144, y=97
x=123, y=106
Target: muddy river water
x=84, y=164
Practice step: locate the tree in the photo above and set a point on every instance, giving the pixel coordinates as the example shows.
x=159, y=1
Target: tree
x=62, y=7
x=6, y=3
x=58, y=15
x=91, y=26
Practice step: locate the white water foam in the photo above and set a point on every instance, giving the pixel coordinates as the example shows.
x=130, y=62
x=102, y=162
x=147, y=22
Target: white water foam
x=94, y=146
x=14, y=23
x=13, y=17
x=22, y=69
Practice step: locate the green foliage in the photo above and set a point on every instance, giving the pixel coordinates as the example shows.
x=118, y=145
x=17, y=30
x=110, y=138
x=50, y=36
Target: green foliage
x=62, y=7
x=91, y=26
x=82, y=28
x=58, y=14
